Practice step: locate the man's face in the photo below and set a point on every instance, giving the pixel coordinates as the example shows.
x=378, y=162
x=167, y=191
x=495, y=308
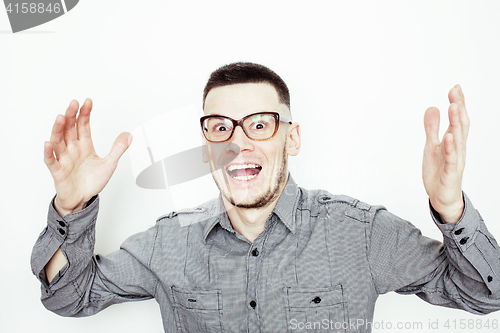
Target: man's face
x=257, y=171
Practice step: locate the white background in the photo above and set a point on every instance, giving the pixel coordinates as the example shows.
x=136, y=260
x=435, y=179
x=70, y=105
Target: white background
x=361, y=74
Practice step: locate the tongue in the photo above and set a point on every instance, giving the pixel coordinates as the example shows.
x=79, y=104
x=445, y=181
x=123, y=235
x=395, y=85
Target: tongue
x=245, y=172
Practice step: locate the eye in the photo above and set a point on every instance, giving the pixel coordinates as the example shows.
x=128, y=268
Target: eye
x=221, y=128
x=258, y=125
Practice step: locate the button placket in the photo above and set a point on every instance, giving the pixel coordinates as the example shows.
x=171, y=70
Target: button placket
x=254, y=262
x=253, y=267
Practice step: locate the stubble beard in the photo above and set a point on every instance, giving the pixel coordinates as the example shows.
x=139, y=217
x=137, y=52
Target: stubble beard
x=266, y=198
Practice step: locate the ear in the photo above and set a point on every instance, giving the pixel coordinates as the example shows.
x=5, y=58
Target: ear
x=293, y=144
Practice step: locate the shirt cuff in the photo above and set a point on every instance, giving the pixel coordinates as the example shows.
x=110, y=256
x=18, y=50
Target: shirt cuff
x=73, y=225
x=472, y=240
x=59, y=231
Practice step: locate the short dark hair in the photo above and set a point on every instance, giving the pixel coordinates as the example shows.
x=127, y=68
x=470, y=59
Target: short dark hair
x=246, y=72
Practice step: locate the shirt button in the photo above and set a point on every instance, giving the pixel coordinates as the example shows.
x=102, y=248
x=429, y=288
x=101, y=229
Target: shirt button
x=253, y=304
x=255, y=252
x=61, y=231
x=459, y=231
x=61, y=223
x=317, y=300
x=464, y=240
x=490, y=278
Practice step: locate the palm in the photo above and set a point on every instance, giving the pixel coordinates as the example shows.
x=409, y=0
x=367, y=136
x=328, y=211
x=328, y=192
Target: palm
x=78, y=172
x=444, y=161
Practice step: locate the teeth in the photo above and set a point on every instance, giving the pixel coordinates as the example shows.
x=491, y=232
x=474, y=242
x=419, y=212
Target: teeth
x=244, y=177
x=241, y=166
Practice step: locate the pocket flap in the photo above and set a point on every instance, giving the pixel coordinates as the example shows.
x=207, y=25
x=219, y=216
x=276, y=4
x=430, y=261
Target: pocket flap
x=197, y=299
x=313, y=298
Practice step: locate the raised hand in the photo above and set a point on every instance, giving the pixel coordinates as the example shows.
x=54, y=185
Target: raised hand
x=444, y=161
x=78, y=172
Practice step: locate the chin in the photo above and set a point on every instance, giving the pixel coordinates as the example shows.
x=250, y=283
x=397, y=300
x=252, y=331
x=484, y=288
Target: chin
x=242, y=198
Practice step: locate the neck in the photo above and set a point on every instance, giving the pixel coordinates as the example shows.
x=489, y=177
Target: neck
x=249, y=222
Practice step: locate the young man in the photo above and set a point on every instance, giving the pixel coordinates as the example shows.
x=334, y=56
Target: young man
x=266, y=256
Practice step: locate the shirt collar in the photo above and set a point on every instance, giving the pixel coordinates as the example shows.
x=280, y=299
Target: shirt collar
x=285, y=210
x=287, y=204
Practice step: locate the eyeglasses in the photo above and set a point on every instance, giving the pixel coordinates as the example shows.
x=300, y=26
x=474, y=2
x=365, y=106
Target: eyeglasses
x=258, y=126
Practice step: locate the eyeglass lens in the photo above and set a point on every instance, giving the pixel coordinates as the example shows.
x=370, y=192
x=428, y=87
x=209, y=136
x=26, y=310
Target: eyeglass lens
x=258, y=127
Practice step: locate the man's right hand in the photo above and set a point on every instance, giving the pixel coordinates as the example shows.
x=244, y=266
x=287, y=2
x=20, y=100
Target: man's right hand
x=78, y=172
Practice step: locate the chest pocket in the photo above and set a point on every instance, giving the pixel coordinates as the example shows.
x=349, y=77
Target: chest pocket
x=316, y=310
x=198, y=310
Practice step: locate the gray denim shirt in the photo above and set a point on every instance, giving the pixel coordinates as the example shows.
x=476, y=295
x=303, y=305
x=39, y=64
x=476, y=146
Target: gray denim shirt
x=321, y=259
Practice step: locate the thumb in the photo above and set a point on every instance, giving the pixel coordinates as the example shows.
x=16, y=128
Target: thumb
x=120, y=145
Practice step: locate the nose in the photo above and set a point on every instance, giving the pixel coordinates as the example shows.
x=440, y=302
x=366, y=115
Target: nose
x=241, y=140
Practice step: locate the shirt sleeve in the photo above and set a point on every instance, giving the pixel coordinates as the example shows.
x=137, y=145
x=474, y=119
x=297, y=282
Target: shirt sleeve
x=462, y=272
x=88, y=283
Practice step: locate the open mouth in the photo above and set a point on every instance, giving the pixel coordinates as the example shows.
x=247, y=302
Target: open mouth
x=243, y=171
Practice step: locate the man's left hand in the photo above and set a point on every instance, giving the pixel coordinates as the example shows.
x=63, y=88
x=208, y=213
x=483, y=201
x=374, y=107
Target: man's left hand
x=444, y=161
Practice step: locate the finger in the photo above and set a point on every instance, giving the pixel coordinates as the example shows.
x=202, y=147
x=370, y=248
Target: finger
x=456, y=96
x=83, y=122
x=120, y=145
x=69, y=125
x=455, y=126
x=450, y=156
x=431, y=125
x=456, y=129
x=49, y=158
x=56, y=137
